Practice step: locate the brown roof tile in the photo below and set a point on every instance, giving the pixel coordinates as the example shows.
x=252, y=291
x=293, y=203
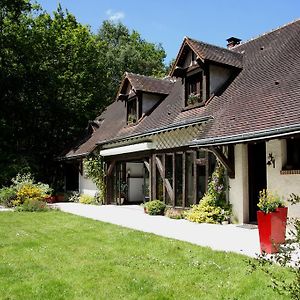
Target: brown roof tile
x=149, y=84
x=216, y=54
x=264, y=96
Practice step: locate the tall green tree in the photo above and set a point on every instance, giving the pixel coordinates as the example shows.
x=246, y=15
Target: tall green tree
x=55, y=75
x=127, y=51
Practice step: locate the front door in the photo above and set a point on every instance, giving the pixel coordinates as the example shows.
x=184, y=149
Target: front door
x=257, y=175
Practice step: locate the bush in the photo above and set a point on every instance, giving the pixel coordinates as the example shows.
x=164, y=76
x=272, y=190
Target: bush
x=33, y=205
x=173, y=213
x=23, y=188
x=86, y=199
x=205, y=212
x=155, y=207
x=213, y=207
x=98, y=198
x=7, y=196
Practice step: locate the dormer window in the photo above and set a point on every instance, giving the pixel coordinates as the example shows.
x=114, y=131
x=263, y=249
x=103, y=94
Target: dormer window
x=194, y=89
x=132, y=116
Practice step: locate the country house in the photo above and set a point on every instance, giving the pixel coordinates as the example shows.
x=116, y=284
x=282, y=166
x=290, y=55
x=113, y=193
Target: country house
x=160, y=138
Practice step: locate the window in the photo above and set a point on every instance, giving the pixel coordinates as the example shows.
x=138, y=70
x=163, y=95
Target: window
x=194, y=89
x=293, y=154
x=132, y=111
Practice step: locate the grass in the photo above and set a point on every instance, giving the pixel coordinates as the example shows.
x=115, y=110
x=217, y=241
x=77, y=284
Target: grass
x=54, y=255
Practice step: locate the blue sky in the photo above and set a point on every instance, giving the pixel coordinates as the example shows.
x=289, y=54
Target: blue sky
x=168, y=21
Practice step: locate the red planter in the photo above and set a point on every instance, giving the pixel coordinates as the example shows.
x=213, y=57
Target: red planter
x=60, y=198
x=271, y=227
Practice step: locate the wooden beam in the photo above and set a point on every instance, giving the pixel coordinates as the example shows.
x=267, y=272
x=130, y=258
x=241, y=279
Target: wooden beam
x=174, y=179
x=224, y=160
x=195, y=176
x=164, y=176
x=147, y=165
x=166, y=181
x=183, y=180
x=153, y=177
x=150, y=178
x=110, y=168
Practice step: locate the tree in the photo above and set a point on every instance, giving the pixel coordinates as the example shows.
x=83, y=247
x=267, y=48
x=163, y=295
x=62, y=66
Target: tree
x=127, y=51
x=55, y=75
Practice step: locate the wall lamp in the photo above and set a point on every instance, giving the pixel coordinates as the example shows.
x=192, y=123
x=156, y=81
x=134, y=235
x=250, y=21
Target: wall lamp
x=271, y=160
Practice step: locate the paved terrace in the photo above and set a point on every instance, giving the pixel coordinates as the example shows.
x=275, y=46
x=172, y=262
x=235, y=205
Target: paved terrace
x=218, y=237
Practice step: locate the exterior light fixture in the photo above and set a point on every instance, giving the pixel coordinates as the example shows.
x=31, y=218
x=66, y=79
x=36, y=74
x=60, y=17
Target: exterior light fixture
x=271, y=160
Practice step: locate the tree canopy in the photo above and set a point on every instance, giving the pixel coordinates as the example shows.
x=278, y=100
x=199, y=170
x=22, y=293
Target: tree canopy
x=55, y=75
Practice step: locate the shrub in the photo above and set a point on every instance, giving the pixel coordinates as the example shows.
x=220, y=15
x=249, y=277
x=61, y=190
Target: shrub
x=205, y=212
x=155, y=207
x=213, y=207
x=32, y=205
x=173, y=213
x=86, y=199
x=23, y=188
x=29, y=191
x=7, y=196
x=98, y=198
x=269, y=201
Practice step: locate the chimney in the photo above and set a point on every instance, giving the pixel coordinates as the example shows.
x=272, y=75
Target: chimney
x=232, y=41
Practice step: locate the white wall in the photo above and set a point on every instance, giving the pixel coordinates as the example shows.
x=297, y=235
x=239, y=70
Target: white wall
x=238, y=187
x=149, y=101
x=217, y=77
x=135, y=182
x=86, y=185
x=283, y=184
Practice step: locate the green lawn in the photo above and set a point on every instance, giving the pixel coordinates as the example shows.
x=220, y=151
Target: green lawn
x=55, y=255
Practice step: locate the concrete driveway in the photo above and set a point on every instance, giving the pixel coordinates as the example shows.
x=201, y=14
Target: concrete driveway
x=218, y=237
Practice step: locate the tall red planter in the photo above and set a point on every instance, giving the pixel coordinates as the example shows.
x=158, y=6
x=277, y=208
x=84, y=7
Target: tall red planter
x=272, y=227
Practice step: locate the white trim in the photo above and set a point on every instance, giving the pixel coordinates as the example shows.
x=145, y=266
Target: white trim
x=127, y=149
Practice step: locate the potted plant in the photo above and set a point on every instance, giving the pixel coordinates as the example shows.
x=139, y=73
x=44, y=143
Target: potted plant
x=193, y=99
x=271, y=218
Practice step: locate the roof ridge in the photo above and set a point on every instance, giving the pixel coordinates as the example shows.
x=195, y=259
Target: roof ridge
x=148, y=77
x=212, y=45
x=266, y=33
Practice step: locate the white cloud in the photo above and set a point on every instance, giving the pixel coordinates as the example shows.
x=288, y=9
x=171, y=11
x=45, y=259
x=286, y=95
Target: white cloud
x=115, y=16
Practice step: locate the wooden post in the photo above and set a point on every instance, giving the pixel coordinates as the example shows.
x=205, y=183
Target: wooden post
x=173, y=198
x=153, y=176
x=195, y=176
x=183, y=180
x=150, y=178
x=163, y=175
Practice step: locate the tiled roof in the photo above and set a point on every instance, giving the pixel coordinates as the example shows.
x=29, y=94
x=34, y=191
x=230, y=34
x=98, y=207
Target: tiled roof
x=149, y=84
x=264, y=96
x=215, y=54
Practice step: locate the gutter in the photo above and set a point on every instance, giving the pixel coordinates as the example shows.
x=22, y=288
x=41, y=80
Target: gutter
x=248, y=137
x=177, y=125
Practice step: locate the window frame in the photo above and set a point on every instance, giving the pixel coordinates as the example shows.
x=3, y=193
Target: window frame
x=130, y=102
x=292, y=149
x=193, y=89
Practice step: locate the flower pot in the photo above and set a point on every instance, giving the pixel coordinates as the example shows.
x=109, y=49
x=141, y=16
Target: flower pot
x=60, y=198
x=50, y=199
x=272, y=227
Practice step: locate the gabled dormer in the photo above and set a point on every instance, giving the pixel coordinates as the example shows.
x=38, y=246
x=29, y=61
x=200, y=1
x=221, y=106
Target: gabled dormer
x=206, y=70
x=141, y=94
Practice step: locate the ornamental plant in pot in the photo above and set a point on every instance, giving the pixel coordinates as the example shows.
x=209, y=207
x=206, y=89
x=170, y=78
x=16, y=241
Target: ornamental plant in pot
x=271, y=218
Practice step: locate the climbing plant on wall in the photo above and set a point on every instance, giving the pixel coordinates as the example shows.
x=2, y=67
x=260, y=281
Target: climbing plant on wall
x=93, y=167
